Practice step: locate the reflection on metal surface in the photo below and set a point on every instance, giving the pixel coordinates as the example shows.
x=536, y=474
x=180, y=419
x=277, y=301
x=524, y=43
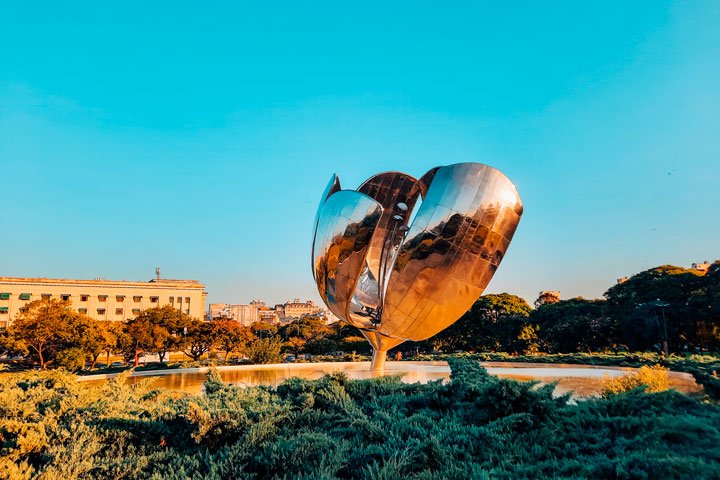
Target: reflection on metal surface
x=398, y=281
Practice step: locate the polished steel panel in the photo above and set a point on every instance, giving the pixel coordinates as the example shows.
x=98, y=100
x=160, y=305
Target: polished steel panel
x=345, y=228
x=401, y=282
x=397, y=193
x=465, y=225
x=332, y=187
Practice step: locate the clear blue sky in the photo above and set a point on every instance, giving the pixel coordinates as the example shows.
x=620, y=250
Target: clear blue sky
x=199, y=136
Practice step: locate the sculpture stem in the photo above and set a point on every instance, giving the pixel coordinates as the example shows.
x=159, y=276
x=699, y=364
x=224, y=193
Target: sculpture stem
x=378, y=360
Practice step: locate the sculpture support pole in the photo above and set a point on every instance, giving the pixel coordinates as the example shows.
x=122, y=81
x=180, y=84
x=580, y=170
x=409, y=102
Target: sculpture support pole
x=378, y=360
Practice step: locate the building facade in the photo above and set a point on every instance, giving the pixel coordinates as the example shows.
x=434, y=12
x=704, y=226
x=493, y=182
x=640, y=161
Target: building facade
x=701, y=266
x=547, y=296
x=268, y=315
x=257, y=310
x=102, y=299
x=244, y=313
x=298, y=309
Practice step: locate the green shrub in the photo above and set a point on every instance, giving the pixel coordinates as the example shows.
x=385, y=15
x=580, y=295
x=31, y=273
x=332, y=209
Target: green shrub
x=475, y=426
x=265, y=350
x=72, y=359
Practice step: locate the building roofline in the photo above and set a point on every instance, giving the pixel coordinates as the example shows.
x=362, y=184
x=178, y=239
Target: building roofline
x=97, y=282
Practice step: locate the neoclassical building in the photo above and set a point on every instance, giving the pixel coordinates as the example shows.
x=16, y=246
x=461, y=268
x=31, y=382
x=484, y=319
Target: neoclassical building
x=102, y=299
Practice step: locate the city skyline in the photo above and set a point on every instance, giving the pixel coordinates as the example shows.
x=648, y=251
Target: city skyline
x=200, y=142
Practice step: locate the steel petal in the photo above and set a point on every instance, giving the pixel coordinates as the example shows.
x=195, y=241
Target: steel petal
x=464, y=227
x=346, y=223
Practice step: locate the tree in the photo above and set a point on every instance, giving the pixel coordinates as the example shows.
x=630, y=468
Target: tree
x=575, y=325
x=157, y=330
x=295, y=344
x=706, y=303
x=309, y=328
x=231, y=336
x=264, y=329
x=198, y=339
x=142, y=336
x=528, y=335
x=659, y=298
x=493, y=323
x=265, y=350
x=41, y=328
x=71, y=358
x=112, y=332
x=87, y=335
x=309, y=333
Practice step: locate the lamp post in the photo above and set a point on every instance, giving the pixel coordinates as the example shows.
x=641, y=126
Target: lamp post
x=662, y=306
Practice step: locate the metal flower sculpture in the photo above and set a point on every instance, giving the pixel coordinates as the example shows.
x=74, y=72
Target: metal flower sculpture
x=397, y=279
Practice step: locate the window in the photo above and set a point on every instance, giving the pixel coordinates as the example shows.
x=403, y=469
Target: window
x=187, y=299
x=44, y=296
x=65, y=297
x=25, y=296
x=179, y=299
x=172, y=299
x=119, y=298
x=3, y=310
x=154, y=299
x=84, y=298
x=102, y=298
x=118, y=311
x=101, y=311
x=82, y=310
x=137, y=299
x=136, y=311
x=4, y=296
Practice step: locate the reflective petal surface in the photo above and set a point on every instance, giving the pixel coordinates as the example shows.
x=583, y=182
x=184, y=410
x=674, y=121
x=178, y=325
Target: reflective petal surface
x=347, y=221
x=400, y=282
x=454, y=246
x=397, y=193
x=332, y=187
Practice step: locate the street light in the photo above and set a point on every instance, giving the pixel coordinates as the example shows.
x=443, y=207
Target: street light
x=662, y=306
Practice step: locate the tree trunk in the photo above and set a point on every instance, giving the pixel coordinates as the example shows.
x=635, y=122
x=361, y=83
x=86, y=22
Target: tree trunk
x=137, y=358
x=161, y=356
x=107, y=359
x=94, y=360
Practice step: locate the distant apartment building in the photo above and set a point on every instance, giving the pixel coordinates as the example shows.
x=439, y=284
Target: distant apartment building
x=329, y=317
x=268, y=315
x=298, y=309
x=244, y=313
x=547, y=296
x=280, y=309
x=257, y=310
x=702, y=267
x=113, y=300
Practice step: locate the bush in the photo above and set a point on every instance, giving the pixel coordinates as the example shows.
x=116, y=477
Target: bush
x=265, y=350
x=475, y=426
x=72, y=359
x=652, y=378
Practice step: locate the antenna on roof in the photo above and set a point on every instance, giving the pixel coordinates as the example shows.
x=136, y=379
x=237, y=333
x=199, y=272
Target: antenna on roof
x=157, y=273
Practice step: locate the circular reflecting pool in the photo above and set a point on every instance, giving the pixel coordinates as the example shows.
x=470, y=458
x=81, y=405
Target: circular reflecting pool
x=581, y=380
